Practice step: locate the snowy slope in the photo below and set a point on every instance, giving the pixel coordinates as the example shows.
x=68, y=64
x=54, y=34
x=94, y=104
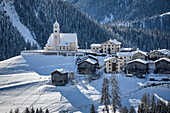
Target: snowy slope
x=16, y=22
x=25, y=82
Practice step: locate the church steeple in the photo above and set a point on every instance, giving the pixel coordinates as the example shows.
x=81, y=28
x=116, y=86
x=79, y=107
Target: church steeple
x=56, y=28
x=56, y=32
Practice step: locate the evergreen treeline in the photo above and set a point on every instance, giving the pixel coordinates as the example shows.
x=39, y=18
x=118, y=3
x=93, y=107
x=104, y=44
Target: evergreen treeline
x=11, y=41
x=149, y=105
x=122, y=10
x=31, y=110
x=143, y=39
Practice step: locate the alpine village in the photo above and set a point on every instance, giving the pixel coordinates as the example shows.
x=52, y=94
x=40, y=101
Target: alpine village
x=64, y=58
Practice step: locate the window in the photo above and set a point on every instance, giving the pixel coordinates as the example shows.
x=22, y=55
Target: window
x=63, y=48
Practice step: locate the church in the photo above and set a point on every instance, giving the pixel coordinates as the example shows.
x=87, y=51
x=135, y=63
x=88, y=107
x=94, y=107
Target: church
x=61, y=41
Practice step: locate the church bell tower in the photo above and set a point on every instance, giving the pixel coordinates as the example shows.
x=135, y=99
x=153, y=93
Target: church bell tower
x=56, y=32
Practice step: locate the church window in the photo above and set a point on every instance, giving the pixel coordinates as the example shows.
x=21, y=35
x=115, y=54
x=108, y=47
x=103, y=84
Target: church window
x=63, y=48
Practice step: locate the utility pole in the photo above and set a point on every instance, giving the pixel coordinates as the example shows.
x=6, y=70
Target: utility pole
x=86, y=46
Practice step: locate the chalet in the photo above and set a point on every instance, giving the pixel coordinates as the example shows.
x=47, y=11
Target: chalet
x=61, y=41
x=138, y=54
x=87, y=65
x=110, y=47
x=124, y=57
x=137, y=66
x=157, y=54
x=112, y=65
x=59, y=77
x=162, y=66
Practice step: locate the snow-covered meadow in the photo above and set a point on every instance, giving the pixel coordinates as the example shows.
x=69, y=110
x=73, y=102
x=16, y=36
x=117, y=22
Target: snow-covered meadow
x=25, y=82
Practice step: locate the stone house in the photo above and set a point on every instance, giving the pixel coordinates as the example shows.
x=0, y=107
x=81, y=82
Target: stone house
x=157, y=54
x=162, y=66
x=110, y=47
x=139, y=55
x=112, y=65
x=137, y=66
x=87, y=66
x=124, y=57
x=59, y=77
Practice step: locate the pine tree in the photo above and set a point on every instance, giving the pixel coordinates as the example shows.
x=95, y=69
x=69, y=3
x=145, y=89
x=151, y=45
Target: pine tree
x=10, y=111
x=32, y=110
x=125, y=110
x=153, y=105
x=132, y=110
x=17, y=110
x=115, y=94
x=37, y=110
x=105, y=94
x=26, y=110
x=46, y=111
x=92, y=109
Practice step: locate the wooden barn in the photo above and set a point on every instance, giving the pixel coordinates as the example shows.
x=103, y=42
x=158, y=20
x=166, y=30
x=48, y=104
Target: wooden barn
x=59, y=77
x=162, y=66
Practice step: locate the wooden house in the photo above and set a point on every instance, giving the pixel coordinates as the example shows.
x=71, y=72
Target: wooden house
x=87, y=66
x=137, y=66
x=140, y=55
x=162, y=66
x=157, y=54
x=59, y=77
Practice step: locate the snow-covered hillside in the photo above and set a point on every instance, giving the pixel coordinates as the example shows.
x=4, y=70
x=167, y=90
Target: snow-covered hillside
x=25, y=82
x=10, y=11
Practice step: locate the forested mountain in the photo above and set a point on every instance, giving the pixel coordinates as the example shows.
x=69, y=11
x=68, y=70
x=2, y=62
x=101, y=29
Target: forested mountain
x=157, y=22
x=11, y=41
x=38, y=17
x=122, y=10
x=142, y=38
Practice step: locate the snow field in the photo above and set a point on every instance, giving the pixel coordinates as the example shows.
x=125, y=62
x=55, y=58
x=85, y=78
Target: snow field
x=25, y=82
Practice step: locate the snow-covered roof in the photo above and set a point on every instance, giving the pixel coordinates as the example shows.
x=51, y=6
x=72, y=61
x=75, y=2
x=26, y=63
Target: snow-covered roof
x=50, y=41
x=142, y=52
x=66, y=38
x=62, y=71
x=125, y=53
x=163, y=51
x=126, y=49
x=56, y=23
x=138, y=60
x=115, y=42
x=93, y=57
x=166, y=59
x=89, y=60
x=95, y=45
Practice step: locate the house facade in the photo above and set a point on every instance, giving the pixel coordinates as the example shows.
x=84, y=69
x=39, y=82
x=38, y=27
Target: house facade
x=112, y=65
x=162, y=66
x=137, y=66
x=59, y=77
x=61, y=41
x=157, y=54
x=124, y=57
x=139, y=55
x=111, y=47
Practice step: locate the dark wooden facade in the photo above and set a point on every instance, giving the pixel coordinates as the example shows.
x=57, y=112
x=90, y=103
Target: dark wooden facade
x=162, y=66
x=137, y=68
x=58, y=78
x=86, y=68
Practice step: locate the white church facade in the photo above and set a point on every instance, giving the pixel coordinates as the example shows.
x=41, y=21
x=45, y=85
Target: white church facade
x=61, y=41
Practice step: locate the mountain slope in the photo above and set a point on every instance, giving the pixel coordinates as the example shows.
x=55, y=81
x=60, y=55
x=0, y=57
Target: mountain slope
x=122, y=10
x=39, y=17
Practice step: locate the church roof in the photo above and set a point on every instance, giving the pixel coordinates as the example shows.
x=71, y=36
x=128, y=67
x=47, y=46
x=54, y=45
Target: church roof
x=66, y=38
x=50, y=41
x=56, y=23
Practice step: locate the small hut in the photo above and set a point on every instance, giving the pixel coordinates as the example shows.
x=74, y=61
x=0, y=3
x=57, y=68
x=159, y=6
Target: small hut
x=59, y=77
